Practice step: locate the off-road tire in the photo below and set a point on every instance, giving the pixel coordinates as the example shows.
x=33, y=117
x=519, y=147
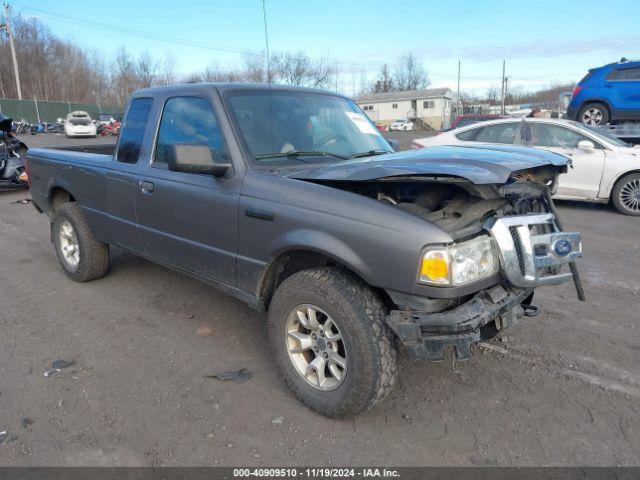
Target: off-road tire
x=615, y=194
x=603, y=108
x=359, y=312
x=94, y=255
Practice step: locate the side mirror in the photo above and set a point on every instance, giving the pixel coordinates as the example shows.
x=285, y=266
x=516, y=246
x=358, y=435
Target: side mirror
x=395, y=144
x=586, y=145
x=195, y=158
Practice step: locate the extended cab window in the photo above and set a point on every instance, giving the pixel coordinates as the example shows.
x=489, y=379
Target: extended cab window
x=189, y=120
x=133, y=130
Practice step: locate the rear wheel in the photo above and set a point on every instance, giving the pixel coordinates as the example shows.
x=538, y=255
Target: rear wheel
x=626, y=195
x=81, y=255
x=594, y=114
x=330, y=341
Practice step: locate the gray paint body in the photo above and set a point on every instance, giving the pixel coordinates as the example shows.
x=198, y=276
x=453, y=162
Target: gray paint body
x=208, y=227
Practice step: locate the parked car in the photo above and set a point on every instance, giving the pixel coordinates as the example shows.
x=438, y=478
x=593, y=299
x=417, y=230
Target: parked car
x=382, y=127
x=469, y=118
x=401, y=125
x=105, y=118
x=79, y=124
x=292, y=201
x=603, y=167
x=607, y=94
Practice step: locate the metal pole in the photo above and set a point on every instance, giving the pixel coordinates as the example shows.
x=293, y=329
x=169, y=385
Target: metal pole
x=503, y=88
x=458, y=103
x=35, y=100
x=7, y=27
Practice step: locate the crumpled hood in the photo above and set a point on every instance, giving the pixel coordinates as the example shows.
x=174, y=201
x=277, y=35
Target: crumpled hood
x=485, y=164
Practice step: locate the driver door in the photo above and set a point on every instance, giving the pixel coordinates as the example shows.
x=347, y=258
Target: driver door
x=189, y=220
x=582, y=180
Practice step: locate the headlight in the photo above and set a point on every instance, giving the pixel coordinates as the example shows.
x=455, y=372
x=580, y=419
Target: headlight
x=460, y=263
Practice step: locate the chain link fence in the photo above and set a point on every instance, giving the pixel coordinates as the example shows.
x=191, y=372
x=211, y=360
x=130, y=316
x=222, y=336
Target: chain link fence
x=35, y=111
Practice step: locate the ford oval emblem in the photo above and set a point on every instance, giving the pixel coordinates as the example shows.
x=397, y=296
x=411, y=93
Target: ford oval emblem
x=562, y=247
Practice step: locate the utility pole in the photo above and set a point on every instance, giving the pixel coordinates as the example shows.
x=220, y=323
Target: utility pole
x=7, y=27
x=504, y=88
x=458, y=103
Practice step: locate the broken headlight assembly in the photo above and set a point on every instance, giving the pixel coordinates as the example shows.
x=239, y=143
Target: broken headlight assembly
x=460, y=263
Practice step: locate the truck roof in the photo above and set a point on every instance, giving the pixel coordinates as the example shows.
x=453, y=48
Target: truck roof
x=183, y=88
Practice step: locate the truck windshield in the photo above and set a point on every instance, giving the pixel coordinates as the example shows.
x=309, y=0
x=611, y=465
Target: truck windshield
x=284, y=127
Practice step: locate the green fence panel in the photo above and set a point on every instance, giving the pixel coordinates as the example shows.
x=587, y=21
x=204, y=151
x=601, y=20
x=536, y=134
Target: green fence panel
x=51, y=111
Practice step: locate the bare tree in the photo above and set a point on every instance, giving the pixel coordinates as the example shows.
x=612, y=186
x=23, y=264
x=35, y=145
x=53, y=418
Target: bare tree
x=146, y=70
x=166, y=70
x=254, y=69
x=384, y=81
x=123, y=76
x=300, y=70
x=410, y=74
x=493, y=95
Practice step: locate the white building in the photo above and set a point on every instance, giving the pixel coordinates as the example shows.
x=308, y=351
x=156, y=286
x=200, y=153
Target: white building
x=431, y=106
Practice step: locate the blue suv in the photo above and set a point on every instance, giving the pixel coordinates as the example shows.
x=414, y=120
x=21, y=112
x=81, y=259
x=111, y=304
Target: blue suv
x=607, y=94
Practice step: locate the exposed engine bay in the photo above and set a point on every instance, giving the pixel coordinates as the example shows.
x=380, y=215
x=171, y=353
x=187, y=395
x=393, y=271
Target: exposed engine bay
x=456, y=205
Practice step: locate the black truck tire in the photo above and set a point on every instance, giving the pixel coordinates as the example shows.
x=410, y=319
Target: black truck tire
x=626, y=194
x=89, y=259
x=345, y=307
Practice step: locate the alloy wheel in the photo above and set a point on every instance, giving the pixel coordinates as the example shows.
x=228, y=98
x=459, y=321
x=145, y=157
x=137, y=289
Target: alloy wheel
x=316, y=347
x=592, y=116
x=69, y=245
x=630, y=195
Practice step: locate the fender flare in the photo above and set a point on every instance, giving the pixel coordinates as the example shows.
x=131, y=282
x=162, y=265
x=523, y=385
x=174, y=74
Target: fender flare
x=318, y=242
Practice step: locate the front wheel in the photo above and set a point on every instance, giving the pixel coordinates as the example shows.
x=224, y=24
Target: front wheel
x=626, y=195
x=81, y=255
x=330, y=341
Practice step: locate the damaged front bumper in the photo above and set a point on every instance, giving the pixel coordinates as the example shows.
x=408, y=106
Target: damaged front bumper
x=426, y=335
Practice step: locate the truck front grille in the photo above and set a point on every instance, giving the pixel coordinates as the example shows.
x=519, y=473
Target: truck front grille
x=532, y=249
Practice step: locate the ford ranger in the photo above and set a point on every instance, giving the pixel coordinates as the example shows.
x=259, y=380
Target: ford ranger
x=291, y=200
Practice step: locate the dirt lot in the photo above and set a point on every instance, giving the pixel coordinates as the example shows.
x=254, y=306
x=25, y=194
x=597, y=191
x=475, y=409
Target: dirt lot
x=564, y=390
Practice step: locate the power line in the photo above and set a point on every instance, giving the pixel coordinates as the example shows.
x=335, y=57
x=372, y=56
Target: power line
x=126, y=31
x=154, y=36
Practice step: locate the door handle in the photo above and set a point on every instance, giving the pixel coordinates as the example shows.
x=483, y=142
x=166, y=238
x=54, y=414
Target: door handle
x=146, y=187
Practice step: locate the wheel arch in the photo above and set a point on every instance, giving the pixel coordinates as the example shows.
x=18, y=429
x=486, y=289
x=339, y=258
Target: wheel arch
x=59, y=194
x=619, y=178
x=296, y=258
x=602, y=101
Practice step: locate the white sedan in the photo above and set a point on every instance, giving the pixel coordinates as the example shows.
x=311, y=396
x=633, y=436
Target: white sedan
x=401, y=125
x=79, y=124
x=603, y=167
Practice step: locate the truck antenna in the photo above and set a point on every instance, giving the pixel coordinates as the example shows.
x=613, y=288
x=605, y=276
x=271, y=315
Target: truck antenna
x=266, y=41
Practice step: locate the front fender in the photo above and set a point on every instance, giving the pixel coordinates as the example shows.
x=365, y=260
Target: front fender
x=323, y=243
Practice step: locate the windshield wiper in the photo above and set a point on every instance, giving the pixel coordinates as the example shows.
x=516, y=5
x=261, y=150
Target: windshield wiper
x=300, y=153
x=370, y=153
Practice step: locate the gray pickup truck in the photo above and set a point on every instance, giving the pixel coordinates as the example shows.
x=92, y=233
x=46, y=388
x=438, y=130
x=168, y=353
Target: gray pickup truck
x=290, y=200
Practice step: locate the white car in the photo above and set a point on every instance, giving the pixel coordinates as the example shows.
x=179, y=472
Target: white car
x=603, y=167
x=401, y=125
x=79, y=124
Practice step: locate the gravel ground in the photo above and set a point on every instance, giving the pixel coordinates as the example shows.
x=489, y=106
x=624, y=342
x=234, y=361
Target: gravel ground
x=564, y=389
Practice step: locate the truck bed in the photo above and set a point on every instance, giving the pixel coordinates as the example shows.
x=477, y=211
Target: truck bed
x=105, y=149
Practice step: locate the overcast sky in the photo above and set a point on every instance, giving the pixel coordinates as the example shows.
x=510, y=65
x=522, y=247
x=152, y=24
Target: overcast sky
x=542, y=41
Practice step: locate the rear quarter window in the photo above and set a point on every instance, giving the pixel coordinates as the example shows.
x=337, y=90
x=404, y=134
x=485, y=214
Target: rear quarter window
x=624, y=74
x=469, y=135
x=132, y=134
